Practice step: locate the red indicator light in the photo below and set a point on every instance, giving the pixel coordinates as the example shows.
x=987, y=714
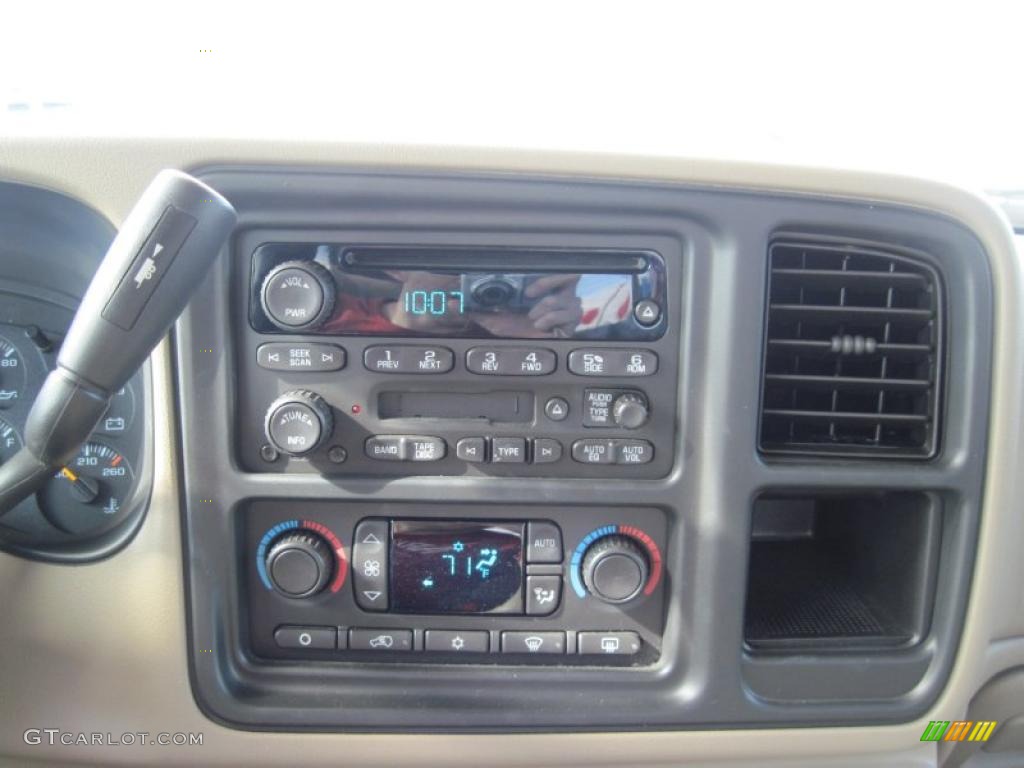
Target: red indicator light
x=357, y=409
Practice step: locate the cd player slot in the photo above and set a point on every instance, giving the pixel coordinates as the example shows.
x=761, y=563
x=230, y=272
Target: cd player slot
x=480, y=259
x=502, y=406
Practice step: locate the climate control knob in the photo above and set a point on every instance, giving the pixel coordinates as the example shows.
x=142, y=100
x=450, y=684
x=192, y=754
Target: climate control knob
x=630, y=411
x=299, y=564
x=298, y=422
x=298, y=295
x=615, y=569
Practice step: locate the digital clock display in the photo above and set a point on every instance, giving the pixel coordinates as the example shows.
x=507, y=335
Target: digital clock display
x=436, y=303
x=456, y=567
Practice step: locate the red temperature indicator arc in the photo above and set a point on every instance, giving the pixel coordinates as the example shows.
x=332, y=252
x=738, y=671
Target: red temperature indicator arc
x=341, y=568
x=653, y=554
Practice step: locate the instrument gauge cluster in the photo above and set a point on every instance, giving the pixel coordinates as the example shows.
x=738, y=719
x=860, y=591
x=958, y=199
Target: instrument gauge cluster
x=93, y=493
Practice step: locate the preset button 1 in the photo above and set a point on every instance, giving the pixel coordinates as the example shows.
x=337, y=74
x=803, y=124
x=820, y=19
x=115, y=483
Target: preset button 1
x=407, y=358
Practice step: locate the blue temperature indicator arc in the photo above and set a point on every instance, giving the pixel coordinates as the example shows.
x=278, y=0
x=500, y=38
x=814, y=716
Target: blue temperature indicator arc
x=577, y=555
x=261, y=550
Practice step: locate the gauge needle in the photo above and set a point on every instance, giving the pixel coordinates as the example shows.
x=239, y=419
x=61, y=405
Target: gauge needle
x=85, y=489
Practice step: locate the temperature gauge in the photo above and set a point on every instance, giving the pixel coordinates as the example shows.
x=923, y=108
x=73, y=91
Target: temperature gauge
x=90, y=491
x=12, y=374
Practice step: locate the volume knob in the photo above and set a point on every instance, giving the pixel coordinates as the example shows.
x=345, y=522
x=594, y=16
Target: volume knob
x=298, y=295
x=298, y=422
x=299, y=564
x=615, y=569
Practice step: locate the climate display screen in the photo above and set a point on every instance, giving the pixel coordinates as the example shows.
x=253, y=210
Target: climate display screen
x=456, y=567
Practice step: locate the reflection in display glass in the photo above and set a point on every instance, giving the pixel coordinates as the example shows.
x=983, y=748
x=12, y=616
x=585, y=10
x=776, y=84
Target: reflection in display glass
x=478, y=298
x=502, y=305
x=456, y=567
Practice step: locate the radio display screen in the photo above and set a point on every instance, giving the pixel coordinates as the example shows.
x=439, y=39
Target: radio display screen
x=456, y=567
x=381, y=291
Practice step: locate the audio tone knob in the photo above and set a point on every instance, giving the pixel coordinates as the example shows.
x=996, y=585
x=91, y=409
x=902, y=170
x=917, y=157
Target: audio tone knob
x=630, y=411
x=298, y=422
x=615, y=569
x=298, y=295
x=299, y=564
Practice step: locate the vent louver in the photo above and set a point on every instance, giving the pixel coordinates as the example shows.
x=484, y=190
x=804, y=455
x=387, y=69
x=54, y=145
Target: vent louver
x=852, y=352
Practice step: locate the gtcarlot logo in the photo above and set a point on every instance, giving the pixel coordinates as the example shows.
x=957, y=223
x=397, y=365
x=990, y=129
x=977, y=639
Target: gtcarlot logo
x=54, y=736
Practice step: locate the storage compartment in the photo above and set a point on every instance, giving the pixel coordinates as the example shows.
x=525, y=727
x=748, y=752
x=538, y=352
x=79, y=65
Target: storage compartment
x=841, y=571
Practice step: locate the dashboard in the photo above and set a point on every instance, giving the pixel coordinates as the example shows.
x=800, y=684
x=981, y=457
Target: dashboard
x=551, y=452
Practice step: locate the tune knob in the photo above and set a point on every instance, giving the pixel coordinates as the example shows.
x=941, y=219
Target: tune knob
x=299, y=564
x=615, y=569
x=298, y=421
x=298, y=295
x=630, y=410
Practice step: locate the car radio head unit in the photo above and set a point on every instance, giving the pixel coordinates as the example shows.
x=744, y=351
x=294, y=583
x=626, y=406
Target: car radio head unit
x=458, y=292
x=365, y=358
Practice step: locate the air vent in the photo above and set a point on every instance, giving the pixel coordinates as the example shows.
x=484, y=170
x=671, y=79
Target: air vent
x=852, y=352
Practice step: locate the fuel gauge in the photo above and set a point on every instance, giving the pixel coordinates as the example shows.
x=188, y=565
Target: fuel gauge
x=12, y=374
x=90, y=491
x=10, y=441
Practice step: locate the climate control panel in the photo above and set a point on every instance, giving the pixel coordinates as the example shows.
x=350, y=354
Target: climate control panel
x=501, y=585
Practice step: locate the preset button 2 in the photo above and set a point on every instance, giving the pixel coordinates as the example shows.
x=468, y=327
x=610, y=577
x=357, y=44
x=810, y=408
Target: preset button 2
x=407, y=358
